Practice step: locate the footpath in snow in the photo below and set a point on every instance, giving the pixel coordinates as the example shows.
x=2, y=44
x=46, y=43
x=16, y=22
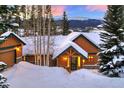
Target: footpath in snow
x=26, y=75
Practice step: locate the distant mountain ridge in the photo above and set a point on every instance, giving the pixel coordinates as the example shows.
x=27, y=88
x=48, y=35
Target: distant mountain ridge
x=82, y=23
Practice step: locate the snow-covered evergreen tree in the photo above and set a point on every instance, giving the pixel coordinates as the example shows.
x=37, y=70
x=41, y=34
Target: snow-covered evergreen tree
x=112, y=55
x=3, y=83
x=9, y=17
x=3, y=80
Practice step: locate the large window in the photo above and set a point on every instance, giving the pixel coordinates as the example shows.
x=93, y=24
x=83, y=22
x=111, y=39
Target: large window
x=73, y=62
x=90, y=58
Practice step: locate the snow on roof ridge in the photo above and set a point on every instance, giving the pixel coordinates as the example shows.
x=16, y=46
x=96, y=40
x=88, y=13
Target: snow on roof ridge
x=68, y=44
x=74, y=35
x=6, y=34
x=69, y=39
x=60, y=41
x=84, y=34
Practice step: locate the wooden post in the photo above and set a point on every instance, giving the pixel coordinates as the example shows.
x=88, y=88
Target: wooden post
x=57, y=62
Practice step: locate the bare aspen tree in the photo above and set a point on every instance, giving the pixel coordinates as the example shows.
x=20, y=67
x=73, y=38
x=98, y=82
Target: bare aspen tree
x=44, y=30
x=37, y=32
x=25, y=23
x=41, y=18
x=34, y=32
x=37, y=35
x=40, y=33
x=48, y=34
x=23, y=10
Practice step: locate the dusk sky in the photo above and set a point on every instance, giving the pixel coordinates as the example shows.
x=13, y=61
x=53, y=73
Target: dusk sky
x=74, y=11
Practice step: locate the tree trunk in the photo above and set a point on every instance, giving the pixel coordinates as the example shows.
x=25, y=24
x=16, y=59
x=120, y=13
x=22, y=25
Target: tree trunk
x=48, y=40
x=44, y=29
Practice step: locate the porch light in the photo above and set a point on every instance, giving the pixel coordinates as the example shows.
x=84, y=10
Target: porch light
x=17, y=49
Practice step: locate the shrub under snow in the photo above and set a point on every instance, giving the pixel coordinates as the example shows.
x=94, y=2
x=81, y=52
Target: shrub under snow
x=3, y=79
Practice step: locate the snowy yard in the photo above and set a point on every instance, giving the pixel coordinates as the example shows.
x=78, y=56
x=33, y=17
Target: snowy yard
x=26, y=75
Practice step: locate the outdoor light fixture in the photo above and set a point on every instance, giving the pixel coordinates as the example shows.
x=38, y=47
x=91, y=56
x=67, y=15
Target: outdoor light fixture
x=17, y=49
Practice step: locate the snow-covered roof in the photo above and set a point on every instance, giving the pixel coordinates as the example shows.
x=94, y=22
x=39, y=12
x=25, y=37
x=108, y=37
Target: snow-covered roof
x=29, y=48
x=8, y=33
x=68, y=44
x=93, y=37
x=61, y=43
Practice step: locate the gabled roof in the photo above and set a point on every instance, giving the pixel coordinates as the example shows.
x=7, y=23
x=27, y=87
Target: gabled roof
x=9, y=33
x=68, y=44
x=60, y=40
x=93, y=37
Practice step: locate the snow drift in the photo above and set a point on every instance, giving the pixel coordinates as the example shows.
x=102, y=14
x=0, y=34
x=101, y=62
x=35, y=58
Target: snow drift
x=26, y=75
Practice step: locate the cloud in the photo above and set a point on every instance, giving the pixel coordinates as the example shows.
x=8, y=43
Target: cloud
x=58, y=10
x=92, y=8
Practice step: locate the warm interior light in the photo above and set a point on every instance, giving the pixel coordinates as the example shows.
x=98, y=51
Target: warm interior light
x=68, y=63
x=91, y=57
x=83, y=60
x=17, y=49
x=65, y=58
x=79, y=62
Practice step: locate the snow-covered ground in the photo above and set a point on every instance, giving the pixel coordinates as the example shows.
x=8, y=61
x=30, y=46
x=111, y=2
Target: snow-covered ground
x=26, y=75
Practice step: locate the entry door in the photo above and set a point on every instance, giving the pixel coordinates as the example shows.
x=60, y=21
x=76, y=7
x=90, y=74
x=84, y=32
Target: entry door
x=74, y=61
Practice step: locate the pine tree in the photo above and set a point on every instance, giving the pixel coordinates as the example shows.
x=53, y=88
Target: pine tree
x=3, y=79
x=53, y=26
x=8, y=17
x=3, y=83
x=111, y=57
x=65, y=24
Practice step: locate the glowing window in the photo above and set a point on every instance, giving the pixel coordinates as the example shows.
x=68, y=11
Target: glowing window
x=65, y=58
x=83, y=61
x=90, y=58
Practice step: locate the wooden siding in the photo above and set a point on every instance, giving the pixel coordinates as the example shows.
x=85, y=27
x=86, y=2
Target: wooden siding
x=8, y=57
x=86, y=45
x=90, y=62
x=11, y=44
x=90, y=48
x=61, y=62
x=31, y=59
x=10, y=41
